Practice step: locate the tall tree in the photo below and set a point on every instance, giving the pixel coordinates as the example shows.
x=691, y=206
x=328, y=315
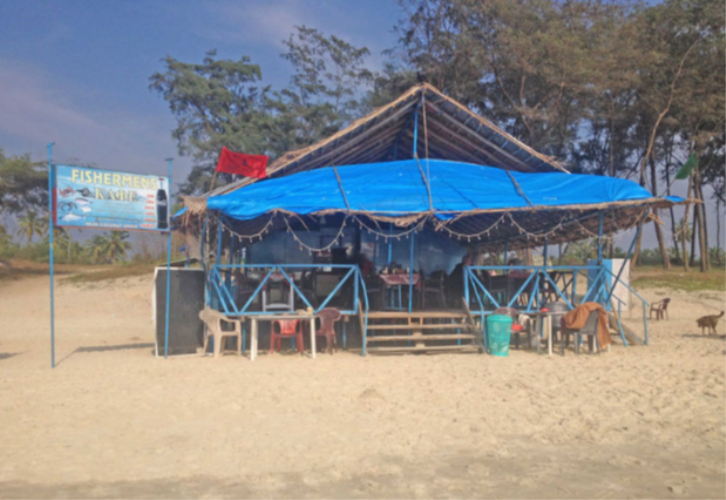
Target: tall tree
x=116, y=246
x=224, y=103
x=23, y=184
x=216, y=103
x=31, y=224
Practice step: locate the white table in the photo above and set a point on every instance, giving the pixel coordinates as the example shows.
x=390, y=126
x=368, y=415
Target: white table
x=543, y=321
x=254, y=329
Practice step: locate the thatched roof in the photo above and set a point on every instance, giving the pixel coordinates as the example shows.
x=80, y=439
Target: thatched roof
x=453, y=132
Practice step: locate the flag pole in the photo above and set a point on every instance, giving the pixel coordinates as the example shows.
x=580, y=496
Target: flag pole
x=50, y=244
x=168, y=265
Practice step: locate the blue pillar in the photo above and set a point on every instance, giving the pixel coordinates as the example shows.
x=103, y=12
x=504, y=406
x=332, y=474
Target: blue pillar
x=410, y=275
x=600, y=286
x=220, y=229
x=599, y=239
x=50, y=241
x=168, y=266
x=203, y=256
x=390, y=230
x=544, y=280
x=415, y=134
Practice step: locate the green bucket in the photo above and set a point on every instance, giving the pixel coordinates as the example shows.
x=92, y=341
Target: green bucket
x=499, y=328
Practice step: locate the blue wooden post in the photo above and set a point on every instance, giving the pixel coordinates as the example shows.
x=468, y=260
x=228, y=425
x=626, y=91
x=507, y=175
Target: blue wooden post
x=204, y=260
x=168, y=268
x=544, y=270
x=410, y=275
x=50, y=241
x=599, y=240
x=220, y=229
x=466, y=286
x=230, y=260
x=390, y=253
x=600, y=284
x=415, y=134
x=345, y=335
x=232, y=249
x=390, y=247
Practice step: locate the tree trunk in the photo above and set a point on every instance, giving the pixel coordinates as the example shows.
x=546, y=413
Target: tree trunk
x=685, y=225
x=705, y=230
x=718, y=230
x=694, y=226
x=656, y=225
x=635, y=260
x=673, y=216
x=702, y=230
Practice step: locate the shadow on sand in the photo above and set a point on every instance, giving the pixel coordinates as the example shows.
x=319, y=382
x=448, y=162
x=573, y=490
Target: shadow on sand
x=699, y=336
x=6, y=355
x=106, y=348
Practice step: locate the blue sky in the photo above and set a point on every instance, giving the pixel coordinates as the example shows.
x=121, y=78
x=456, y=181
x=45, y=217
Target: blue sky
x=76, y=72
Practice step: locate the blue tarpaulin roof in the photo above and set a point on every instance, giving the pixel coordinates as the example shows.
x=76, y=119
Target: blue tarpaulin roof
x=398, y=189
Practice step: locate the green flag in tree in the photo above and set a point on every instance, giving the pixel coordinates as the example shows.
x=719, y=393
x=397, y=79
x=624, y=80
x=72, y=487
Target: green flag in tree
x=688, y=167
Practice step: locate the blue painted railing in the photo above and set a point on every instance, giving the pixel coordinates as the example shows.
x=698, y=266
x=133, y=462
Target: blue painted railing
x=222, y=291
x=531, y=293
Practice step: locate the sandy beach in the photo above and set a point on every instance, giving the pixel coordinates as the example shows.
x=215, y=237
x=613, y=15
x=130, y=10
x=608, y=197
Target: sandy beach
x=113, y=421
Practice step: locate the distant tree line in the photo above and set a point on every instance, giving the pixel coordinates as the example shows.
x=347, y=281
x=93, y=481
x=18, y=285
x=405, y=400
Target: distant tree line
x=616, y=88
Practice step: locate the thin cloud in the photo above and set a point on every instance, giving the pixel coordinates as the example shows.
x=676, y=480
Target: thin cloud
x=268, y=23
x=35, y=110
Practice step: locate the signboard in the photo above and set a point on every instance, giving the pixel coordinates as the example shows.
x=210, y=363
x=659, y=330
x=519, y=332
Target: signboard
x=86, y=197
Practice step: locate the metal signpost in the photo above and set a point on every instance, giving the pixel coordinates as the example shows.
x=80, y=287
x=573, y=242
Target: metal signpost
x=80, y=197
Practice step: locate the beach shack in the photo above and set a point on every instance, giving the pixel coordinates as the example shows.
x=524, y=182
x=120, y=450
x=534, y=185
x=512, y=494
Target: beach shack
x=407, y=222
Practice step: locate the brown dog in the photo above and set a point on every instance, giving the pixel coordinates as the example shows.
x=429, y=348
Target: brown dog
x=709, y=322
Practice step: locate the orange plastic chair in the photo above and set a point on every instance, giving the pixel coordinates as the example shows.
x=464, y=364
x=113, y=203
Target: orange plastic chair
x=286, y=329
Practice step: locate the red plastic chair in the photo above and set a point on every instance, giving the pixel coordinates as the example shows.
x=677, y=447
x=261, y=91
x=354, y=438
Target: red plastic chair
x=286, y=329
x=328, y=317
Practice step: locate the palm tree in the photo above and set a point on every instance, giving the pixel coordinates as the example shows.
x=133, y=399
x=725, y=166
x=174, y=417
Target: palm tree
x=96, y=248
x=117, y=246
x=32, y=225
x=62, y=237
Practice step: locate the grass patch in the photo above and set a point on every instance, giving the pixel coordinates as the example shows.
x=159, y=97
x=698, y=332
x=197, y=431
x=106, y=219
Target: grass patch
x=112, y=273
x=15, y=269
x=679, y=279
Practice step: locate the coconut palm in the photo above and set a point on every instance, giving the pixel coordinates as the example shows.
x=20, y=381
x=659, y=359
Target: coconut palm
x=32, y=225
x=96, y=248
x=62, y=238
x=117, y=246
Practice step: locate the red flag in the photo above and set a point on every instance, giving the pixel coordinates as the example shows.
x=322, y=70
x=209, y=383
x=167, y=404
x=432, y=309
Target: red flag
x=242, y=164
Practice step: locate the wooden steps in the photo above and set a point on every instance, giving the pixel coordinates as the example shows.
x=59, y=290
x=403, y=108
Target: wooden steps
x=415, y=326
x=442, y=348
x=420, y=338
x=415, y=315
x=431, y=331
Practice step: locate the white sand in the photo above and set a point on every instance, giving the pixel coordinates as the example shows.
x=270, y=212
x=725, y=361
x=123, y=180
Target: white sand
x=113, y=421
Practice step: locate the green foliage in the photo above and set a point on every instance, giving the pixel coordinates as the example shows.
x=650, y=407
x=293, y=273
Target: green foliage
x=8, y=248
x=23, y=184
x=108, y=248
x=223, y=102
x=32, y=225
